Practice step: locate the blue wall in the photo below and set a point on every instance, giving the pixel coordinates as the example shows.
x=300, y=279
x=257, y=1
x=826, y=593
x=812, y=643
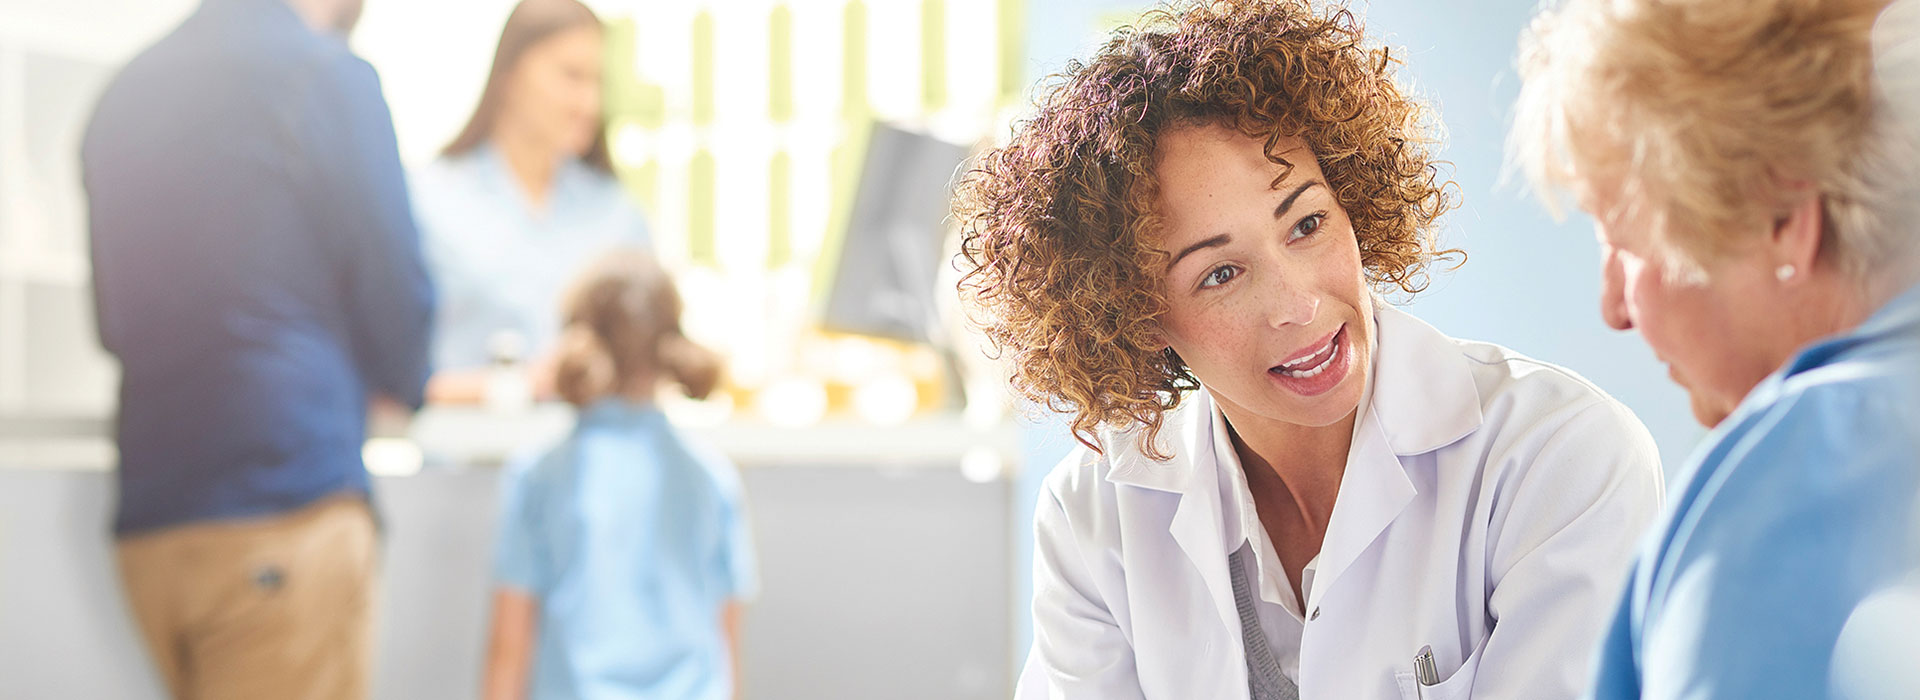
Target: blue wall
x=1530, y=283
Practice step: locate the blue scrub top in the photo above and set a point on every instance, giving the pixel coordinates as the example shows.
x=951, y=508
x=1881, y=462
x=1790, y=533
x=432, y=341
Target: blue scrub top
x=1797, y=514
x=632, y=540
x=500, y=263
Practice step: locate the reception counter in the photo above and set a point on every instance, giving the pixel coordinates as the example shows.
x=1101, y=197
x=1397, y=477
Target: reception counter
x=886, y=570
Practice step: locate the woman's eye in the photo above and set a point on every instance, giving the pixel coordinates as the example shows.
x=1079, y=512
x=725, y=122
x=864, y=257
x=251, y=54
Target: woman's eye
x=1306, y=227
x=1219, y=276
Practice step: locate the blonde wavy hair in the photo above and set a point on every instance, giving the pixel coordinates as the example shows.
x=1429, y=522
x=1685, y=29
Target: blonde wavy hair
x=1704, y=114
x=622, y=319
x=1057, y=225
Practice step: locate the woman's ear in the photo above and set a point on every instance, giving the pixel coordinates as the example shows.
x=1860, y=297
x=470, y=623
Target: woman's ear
x=1798, y=229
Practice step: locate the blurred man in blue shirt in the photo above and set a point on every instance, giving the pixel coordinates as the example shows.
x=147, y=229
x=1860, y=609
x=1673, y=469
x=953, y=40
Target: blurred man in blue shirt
x=258, y=274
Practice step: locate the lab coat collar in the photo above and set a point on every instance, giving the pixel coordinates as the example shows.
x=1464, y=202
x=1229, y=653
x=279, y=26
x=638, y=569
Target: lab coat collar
x=1422, y=398
x=1424, y=395
x=1187, y=434
x=1198, y=524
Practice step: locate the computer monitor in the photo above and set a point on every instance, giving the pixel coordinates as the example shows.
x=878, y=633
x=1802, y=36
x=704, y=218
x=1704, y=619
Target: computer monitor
x=884, y=279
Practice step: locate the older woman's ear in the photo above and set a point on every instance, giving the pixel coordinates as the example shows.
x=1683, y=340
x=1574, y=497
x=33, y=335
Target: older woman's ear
x=1797, y=232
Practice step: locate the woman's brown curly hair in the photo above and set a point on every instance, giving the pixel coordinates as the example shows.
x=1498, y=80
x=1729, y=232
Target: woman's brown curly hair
x=1056, y=225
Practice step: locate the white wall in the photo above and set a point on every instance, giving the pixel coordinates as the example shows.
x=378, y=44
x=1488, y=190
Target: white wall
x=54, y=59
x=433, y=57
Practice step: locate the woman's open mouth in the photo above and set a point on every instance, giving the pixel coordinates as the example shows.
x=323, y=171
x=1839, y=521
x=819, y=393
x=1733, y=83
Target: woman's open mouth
x=1317, y=370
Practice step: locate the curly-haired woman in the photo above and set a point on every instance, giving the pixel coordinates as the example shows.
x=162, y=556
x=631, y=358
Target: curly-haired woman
x=1289, y=488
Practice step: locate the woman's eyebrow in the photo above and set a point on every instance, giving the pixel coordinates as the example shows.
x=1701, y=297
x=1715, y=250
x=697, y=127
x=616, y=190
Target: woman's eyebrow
x=1287, y=203
x=1223, y=239
x=1215, y=241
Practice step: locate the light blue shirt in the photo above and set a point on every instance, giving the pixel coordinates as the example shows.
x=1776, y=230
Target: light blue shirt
x=501, y=264
x=632, y=540
x=1799, y=507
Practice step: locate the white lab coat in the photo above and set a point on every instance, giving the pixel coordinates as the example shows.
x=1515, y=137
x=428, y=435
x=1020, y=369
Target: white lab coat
x=1489, y=509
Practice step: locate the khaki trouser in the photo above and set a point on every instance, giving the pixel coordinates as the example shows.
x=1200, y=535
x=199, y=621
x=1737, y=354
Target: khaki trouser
x=278, y=607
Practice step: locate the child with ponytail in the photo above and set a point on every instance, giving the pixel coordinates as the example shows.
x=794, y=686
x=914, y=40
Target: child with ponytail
x=623, y=554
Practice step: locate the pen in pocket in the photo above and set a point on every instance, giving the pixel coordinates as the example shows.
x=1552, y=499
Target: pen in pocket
x=1423, y=671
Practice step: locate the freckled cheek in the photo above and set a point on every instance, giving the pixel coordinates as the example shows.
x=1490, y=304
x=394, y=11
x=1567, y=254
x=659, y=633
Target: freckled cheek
x=1194, y=328
x=1221, y=330
x=1345, y=281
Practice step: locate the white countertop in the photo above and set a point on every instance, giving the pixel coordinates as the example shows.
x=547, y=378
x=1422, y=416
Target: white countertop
x=441, y=438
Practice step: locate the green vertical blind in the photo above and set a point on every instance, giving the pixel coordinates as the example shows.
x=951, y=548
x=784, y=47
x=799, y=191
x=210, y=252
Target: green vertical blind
x=1012, y=44
x=700, y=200
x=631, y=103
x=853, y=57
x=779, y=210
x=780, y=64
x=703, y=68
x=933, y=55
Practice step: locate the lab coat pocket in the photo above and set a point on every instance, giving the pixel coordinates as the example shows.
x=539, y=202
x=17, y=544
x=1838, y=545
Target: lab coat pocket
x=1457, y=686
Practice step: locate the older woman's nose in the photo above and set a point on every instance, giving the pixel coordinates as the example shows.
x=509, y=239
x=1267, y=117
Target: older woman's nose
x=1615, y=315
x=1613, y=298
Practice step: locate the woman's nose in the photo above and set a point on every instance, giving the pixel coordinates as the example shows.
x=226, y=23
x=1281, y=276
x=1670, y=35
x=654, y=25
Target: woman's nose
x=1292, y=305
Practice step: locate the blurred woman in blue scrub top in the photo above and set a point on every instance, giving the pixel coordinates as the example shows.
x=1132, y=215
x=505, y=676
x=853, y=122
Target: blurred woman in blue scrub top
x=521, y=199
x=623, y=553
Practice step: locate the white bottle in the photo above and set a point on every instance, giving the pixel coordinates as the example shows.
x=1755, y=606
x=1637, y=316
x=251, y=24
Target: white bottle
x=508, y=387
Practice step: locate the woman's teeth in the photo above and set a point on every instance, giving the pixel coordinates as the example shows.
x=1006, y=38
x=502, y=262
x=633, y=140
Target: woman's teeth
x=1326, y=359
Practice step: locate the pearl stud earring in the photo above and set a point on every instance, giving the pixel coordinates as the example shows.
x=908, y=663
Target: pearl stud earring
x=1784, y=272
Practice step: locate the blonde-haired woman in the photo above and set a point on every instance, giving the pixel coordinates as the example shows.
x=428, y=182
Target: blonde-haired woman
x=624, y=552
x=1753, y=181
